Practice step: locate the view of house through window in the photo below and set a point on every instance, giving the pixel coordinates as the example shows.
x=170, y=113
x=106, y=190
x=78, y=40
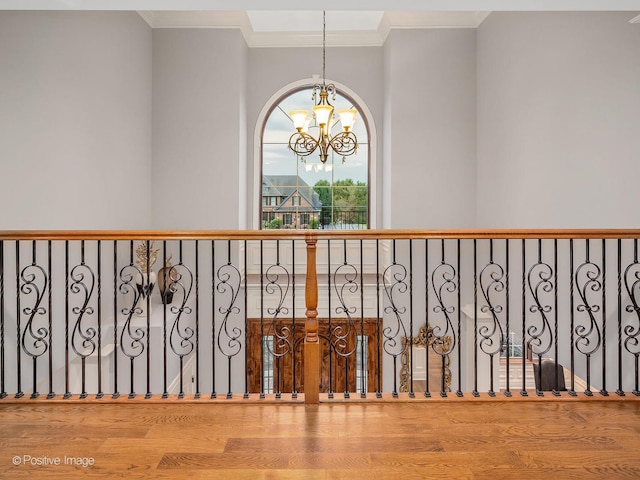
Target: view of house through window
x=302, y=192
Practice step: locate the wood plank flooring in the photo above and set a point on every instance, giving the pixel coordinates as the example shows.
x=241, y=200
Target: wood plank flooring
x=458, y=439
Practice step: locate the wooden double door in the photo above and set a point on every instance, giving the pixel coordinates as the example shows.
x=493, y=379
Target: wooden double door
x=349, y=355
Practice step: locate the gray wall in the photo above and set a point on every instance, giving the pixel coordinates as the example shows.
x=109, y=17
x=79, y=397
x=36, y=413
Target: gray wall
x=558, y=116
x=85, y=144
x=199, y=139
x=75, y=120
x=430, y=129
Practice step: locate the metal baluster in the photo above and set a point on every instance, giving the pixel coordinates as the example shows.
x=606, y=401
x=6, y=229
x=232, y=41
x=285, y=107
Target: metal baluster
x=164, y=292
x=3, y=392
x=619, y=391
x=475, y=392
x=410, y=338
x=100, y=393
x=556, y=391
x=572, y=389
x=459, y=391
x=330, y=327
x=604, y=391
x=115, y=394
x=197, y=269
x=35, y=282
x=491, y=281
x=262, y=335
x=631, y=332
x=51, y=394
x=246, y=325
x=83, y=337
x=363, y=366
x=19, y=393
x=149, y=289
x=378, y=325
x=524, y=347
x=427, y=392
x=294, y=391
x=213, y=320
x=67, y=393
x=507, y=392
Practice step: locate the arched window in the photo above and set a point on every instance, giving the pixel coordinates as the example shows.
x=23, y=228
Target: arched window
x=302, y=192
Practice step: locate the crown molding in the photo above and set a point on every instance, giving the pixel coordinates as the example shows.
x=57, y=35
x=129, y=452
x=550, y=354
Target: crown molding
x=361, y=38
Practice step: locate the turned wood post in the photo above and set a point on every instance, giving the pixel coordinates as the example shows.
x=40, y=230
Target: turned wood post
x=311, y=339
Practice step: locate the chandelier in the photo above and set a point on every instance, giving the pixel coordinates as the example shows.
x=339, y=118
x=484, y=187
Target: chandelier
x=343, y=143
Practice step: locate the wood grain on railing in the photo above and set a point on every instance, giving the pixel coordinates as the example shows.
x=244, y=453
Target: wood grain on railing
x=382, y=234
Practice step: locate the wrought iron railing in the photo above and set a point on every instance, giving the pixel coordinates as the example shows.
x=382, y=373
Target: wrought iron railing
x=330, y=314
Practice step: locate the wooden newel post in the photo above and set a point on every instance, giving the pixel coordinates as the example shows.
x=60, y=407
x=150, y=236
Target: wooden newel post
x=311, y=339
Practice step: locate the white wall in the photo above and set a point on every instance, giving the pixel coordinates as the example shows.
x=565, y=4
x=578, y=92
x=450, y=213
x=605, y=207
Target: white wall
x=430, y=112
x=558, y=116
x=198, y=119
x=75, y=120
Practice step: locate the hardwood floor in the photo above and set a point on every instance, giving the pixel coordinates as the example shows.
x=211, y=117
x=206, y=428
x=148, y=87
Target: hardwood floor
x=456, y=439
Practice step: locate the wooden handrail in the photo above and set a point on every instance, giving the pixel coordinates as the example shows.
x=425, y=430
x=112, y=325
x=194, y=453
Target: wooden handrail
x=381, y=234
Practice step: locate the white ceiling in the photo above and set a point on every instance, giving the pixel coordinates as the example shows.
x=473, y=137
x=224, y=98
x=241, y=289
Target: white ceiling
x=370, y=5
x=294, y=23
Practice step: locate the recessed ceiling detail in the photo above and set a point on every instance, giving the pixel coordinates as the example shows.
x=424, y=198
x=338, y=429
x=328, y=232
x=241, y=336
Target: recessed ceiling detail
x=304, y=29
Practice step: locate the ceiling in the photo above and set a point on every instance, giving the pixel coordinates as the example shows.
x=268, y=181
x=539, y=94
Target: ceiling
x=293, y=23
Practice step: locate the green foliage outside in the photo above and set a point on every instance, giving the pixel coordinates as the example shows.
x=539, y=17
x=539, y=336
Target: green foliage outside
x=274, y=224
x=346, y=204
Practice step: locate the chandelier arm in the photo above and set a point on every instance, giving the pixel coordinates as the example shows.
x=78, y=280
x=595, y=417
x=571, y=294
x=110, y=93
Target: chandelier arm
x=344, y=143
x=302, y=144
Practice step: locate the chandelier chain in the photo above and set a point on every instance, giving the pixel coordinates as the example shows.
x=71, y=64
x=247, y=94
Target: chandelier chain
x=324, y=46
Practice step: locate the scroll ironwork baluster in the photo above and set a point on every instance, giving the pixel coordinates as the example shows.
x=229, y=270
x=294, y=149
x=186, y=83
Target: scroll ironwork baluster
x=540, y=336
x=83, y=336
x=394, y=280
x=34, y=281
x=278, y=284
x=632, y=329
x=342, y=336
x=180, y=336
x=229, y=343
x=134, y=346
x=444, y=340
x=588, y=277
x=491, y=283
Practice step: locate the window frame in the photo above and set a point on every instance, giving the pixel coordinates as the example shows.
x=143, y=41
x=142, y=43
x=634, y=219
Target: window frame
x=365, y=116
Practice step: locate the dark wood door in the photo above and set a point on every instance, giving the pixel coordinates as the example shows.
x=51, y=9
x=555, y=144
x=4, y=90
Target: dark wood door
x=275, y=355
